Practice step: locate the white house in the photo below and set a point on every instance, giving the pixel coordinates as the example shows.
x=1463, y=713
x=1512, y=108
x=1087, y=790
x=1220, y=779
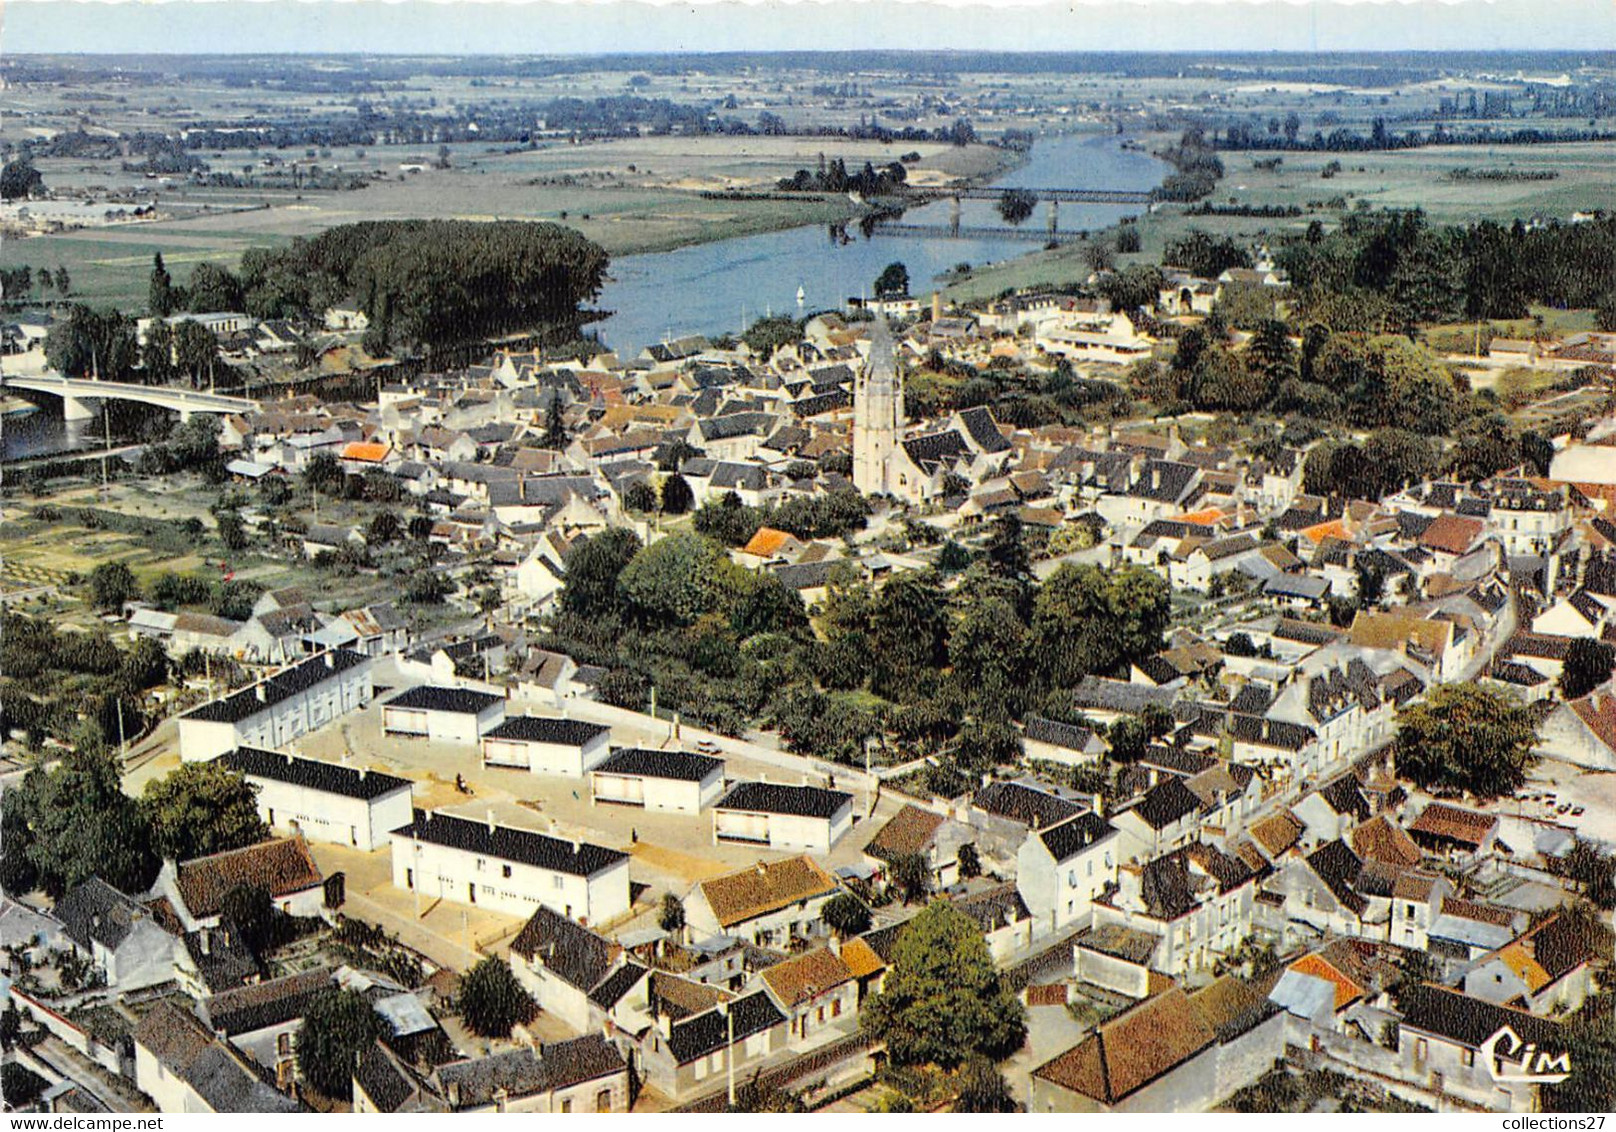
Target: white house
x=262, y=1019
x=118, y=933
x=279, y=708
x=783, y=817
x=183, y=1067
x=675, y=781
x=567, y=748
x=325, y=801
x=508, y=869
x=283, y=867
x=770, y=902
x=1062, y=870
x=446, y=715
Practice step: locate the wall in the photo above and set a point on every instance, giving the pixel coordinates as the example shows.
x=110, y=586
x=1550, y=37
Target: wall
x=1111, y=973
x=335, y=818
x=444, y=872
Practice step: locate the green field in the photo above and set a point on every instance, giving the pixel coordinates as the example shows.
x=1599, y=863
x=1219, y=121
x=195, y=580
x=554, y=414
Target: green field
x=643, y=195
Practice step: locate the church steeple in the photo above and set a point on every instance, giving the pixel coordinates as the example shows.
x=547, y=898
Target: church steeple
x=877, y=414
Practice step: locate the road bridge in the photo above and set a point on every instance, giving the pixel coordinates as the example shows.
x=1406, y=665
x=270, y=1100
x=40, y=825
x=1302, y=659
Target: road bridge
x=1063, y=196
x=82, y=397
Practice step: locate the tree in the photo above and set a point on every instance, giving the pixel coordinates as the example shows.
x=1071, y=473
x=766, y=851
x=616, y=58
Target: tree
x=1015, y=205
x=767, y=335
x=214, y=288
x=943, y=1000
x=64, y=281
x=160, y=298
x=324, y=474
x=677, y=498
x=982, y=1088
x=676, y=580
x=232, y=530
x=970, y=862
x=555, y=425
x=893, y=281
x=1086, y=619
x=1465, y=739
x=491, y=1001
x=196, y=351
x=846, y=915
x=81, y=823
x=112, y=584
x=250, y=910
x=910, y=874
x=337, y=1026
x=157, y=353
x=383, y=528
x=200, y=809
x=20, y=180
x=89, y=343
x=671, y=917
x=1588, y=664
x=1590, y=1039
x=593, y=566
x=641, y=497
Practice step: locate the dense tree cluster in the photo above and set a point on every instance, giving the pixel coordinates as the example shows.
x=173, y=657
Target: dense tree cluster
x=1464, y=739
x=430, y=283
x=830, y=515
x=833, y=177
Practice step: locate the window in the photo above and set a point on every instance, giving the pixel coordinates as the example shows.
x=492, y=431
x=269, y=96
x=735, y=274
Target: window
x=558, y=881
x=566, y=1104
x=1468, y=1057
x=481, y=864
x=603, y=1101
x=283, y=1044
x=505, y=870
x=1422, y=1049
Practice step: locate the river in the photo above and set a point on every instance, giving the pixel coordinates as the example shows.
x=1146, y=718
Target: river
x=722, y=286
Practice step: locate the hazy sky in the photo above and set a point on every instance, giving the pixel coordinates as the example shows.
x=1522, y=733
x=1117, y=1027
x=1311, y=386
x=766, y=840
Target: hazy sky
x=543, y=26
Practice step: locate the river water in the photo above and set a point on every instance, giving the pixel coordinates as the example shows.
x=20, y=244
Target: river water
x=723, y=286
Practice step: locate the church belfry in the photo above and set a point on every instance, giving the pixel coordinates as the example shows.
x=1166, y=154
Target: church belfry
x=877, y=414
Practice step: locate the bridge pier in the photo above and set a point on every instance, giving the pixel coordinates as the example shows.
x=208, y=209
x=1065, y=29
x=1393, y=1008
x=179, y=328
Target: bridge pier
x=80, y=408
x=954, y=215
x=1054, y=217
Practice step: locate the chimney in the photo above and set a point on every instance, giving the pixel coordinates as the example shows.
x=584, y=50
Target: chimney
x=330, y=660
x=258, y=689
x=577, y=846
x=364, y=770
x=805, y=778
x=289, y=759
x=763, y=777
x=490, y=814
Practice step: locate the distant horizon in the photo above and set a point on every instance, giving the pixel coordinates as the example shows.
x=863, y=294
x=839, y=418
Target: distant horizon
x=546, y=28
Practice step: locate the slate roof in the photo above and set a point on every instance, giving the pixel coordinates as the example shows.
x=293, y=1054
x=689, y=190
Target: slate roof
x=95, y=911
x=1024, y=804
x=936, y=448
x=680, y=766
x=765, y=887
x=1470, y=1021
x=1056, y=734
x=1338, y=867
x=778, y=798
x=1344, y=797
x=1163, y=481
x=1101, y=694
x=312, y=774
x=273, y=1002
x=708, y=1032
x=1076, y=834
x=224, y=1081
x=610, y=991
x=460, y=701
x=572, y=952
x=275, y=689
x=984, y=430
x=508, y=843
x=543, y=729
x=282, y=866
x=1167, y=802
x=383, y=1080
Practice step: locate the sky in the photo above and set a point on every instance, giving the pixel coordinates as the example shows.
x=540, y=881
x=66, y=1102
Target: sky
x=510, y=27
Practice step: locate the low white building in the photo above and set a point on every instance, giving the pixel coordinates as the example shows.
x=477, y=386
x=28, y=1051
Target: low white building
x=447, y=715
x=566, y=748
x=280, y=708
x=783, y=817
x=770, y=903
x=675, y=781
x=183, y=1067
x=508, y=869
x=325, y=801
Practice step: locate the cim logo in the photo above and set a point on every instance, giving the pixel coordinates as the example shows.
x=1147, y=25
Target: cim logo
x=1511, y=1059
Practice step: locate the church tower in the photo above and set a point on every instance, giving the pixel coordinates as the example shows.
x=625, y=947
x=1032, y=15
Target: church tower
x=877, y=414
